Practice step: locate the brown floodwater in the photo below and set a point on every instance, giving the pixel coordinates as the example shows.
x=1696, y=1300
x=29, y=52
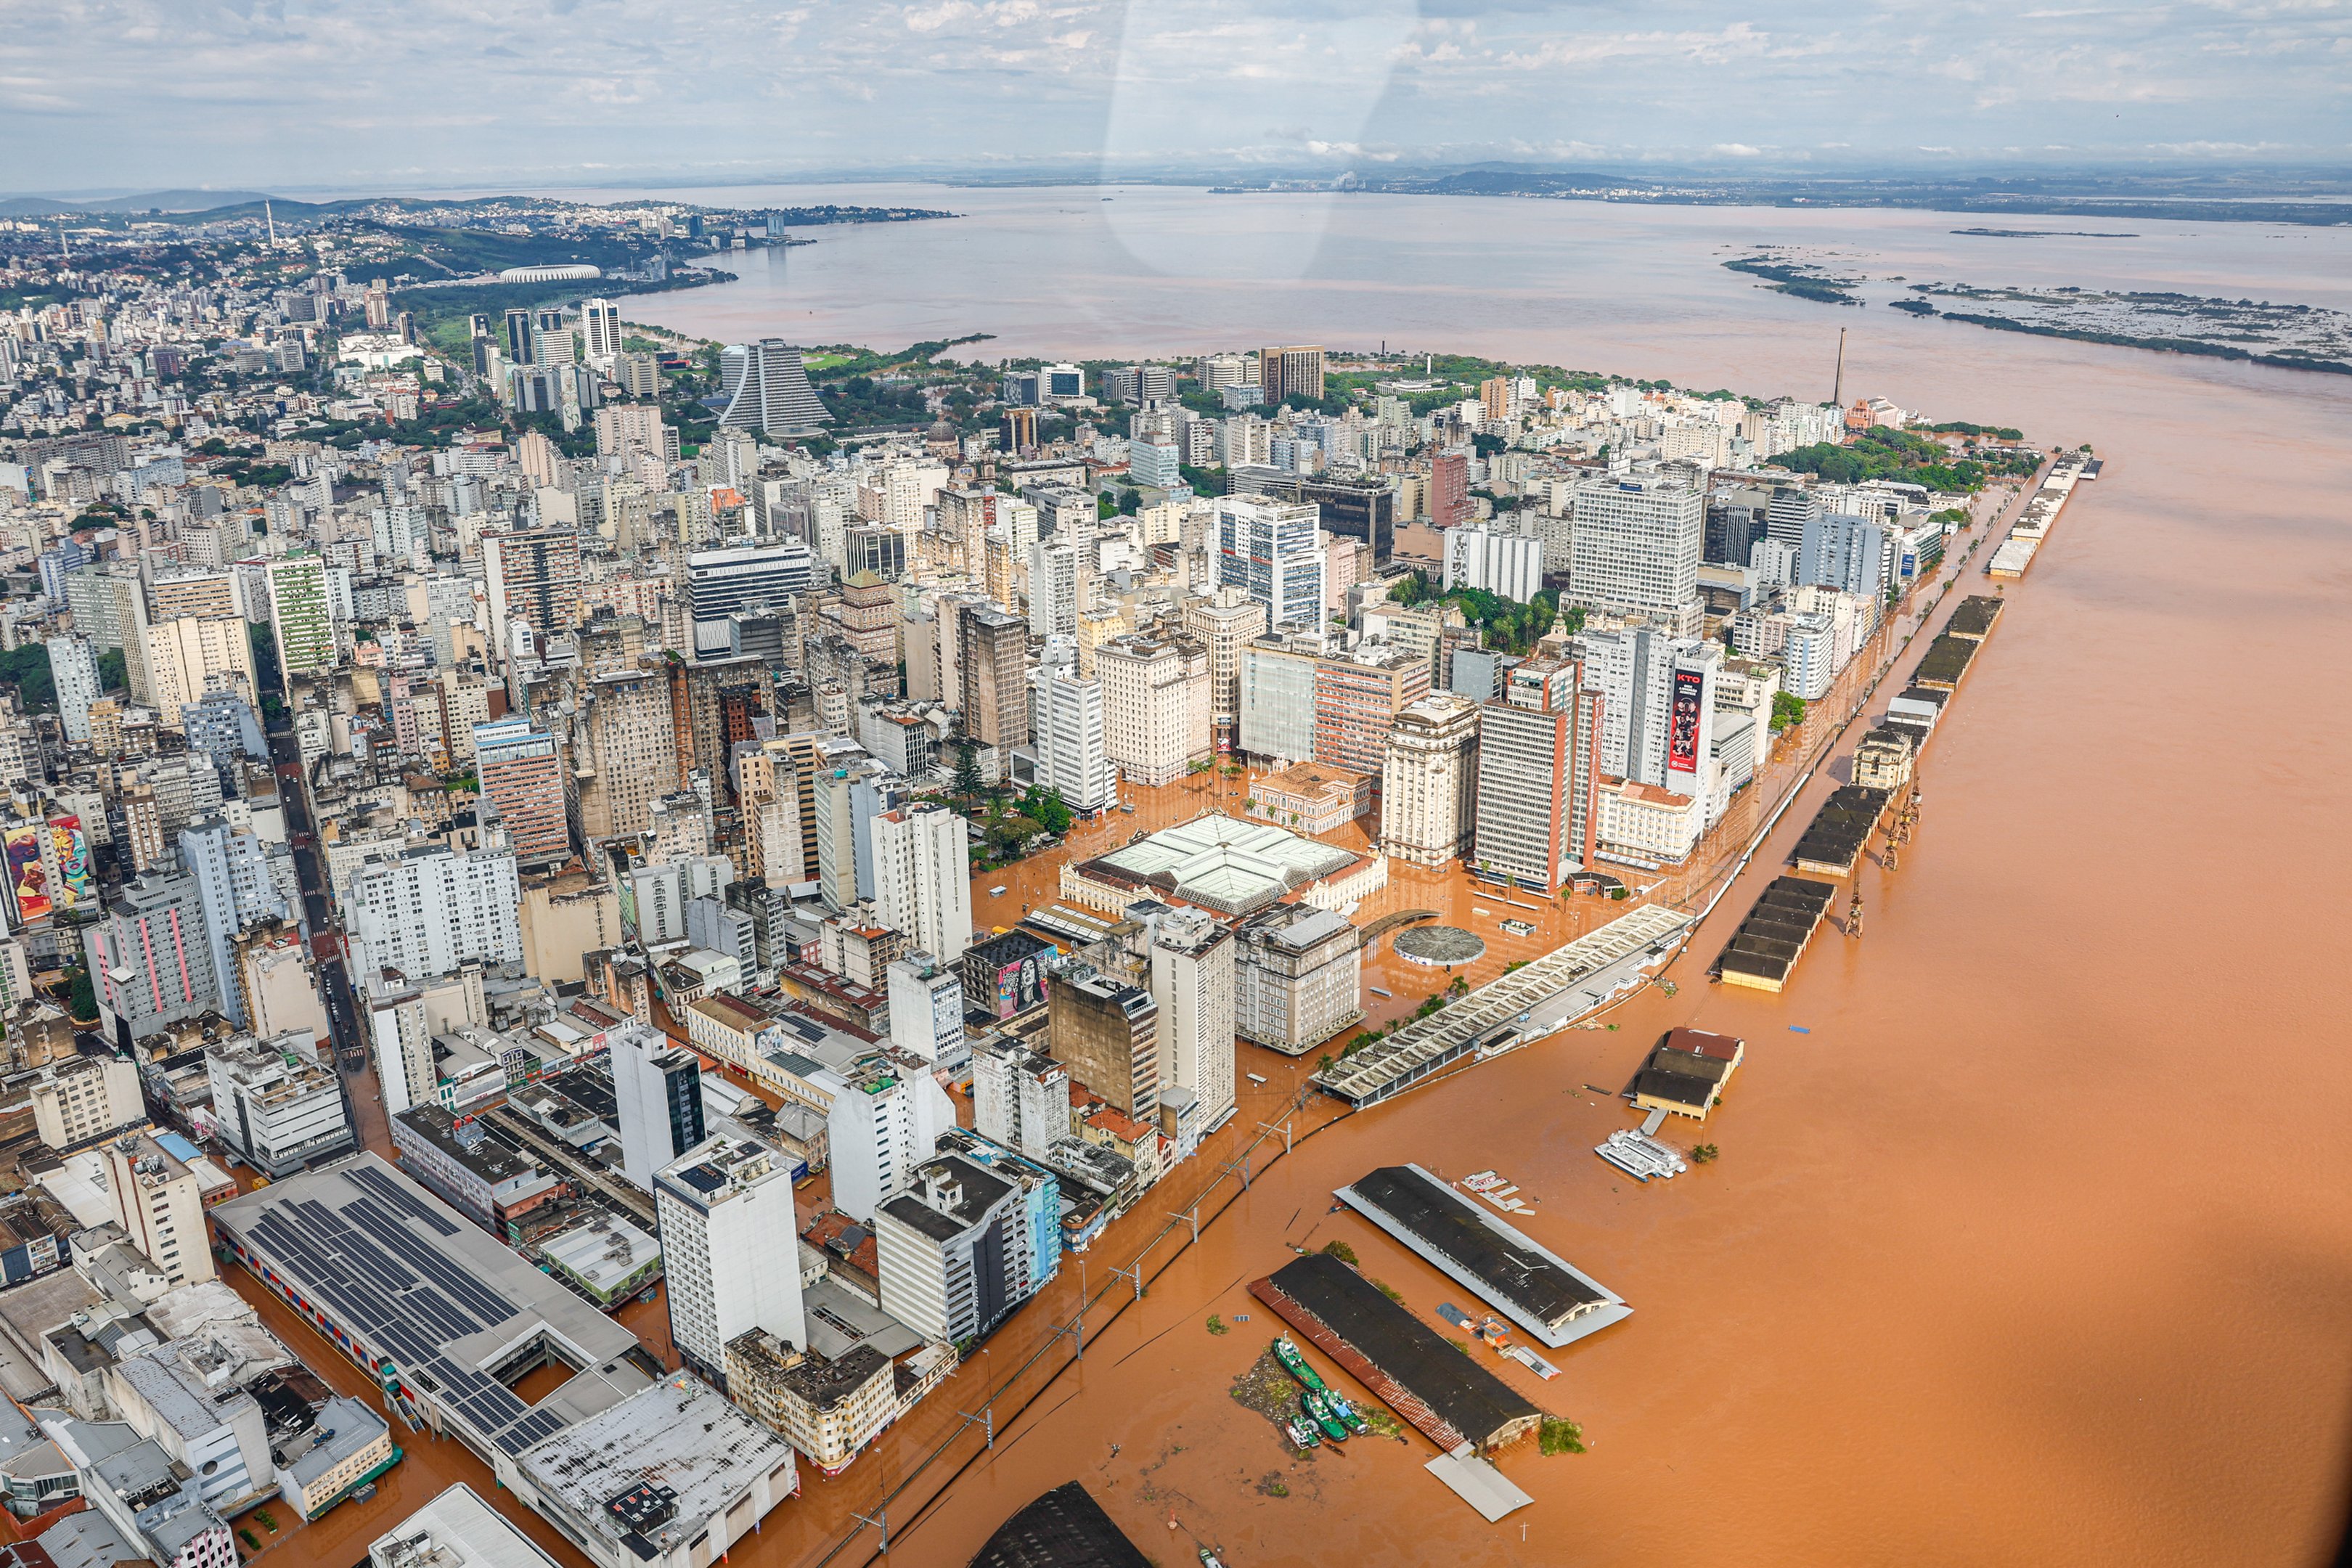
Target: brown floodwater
x=2038, y=1245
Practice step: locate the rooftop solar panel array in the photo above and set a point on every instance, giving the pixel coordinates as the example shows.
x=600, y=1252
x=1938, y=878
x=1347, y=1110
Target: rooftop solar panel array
x=394, y=1293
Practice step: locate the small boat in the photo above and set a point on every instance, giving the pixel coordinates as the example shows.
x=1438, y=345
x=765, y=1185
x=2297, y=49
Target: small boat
x=1295, y=1364
x=1319, y=1410
x=1254, y=1077
x=1378, y=992
x=1208, y=1558
x=1348, y=1413
x=1302, y=1434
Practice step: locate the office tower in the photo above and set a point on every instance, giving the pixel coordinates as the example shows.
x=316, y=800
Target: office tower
x=1154, y=463
x=1505, y=564
x=922, y=878
x=1358, y=696
x=884, y=1122
x=730, y=1249
x=1792, y=508
x=1295, y=372
x=234, y=888
x=195, y=654
x=1853, y=555
x=993, y=659
x=657, y=1096
x=1221, y=369
x=430, y=909
x=1363, y=509
x=722, y=583
x=600, y=329
x=73, y=670
x=769, y=391
x=278, y=1110
x=1634, y=545
x=1020, y=1098
x=1068, y=733
x=1056, y=581
x=1192, y=969
x=110, y=607
x=1155, y=706
x=150, y=958
x=521, y=342
x=958, y=1251
x=531, y=576
x=300, y=615
x=1429, y=780
x=1107, y=1032
x=927, y=1010
x=1273, y=551
x=1539, y=777
x=523, y=777
x=1017, y=429
x=847, y=796
x=639, y=376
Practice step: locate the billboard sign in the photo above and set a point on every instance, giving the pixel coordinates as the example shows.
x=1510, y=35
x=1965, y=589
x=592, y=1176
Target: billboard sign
x=28, y=879
x=1682, y=732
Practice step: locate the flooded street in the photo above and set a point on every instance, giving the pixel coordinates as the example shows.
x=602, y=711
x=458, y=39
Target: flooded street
x=2037, y=1245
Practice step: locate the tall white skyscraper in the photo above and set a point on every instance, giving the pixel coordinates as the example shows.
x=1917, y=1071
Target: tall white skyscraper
x=1635, y=544
x=657, y=1095
x=884, y=1121
x=1193, y=980
x=1055, y=576
x=730, y=1249
x=1657, y=722
x=1273, y=551
x=428, y=911
x=73, y=668
x=768, y=390
x=926, y=1009
x=1067, y=727
x=600, y=331
x=922, y=880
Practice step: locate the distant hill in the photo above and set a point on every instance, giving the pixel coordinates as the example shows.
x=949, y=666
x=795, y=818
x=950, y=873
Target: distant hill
x=167, y=201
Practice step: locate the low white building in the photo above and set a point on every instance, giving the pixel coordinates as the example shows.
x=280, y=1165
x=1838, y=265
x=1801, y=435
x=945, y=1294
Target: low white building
x=1507, y=565
x=1645, y=824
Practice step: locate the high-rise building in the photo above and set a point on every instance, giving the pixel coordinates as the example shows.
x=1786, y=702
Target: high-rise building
x=922, y=878
x=1634, y=545
x=1106, y=1033
x=533, y=575
x=1225, y=623
x=1853, y=555
x=1539, y=775
x=1155, y=706
x=110, y=607
x=956, y=1253
x=1294, y=371
x=730, y=1249
x=627, y=431
x=1057, y=576
x=992, y=656
x=73, y=669
x=151, y=959
x=1649, y=679
x=278, y=1109
x=301, y=617
x=1192, y=969
x=1429, y=781
x=1358, y=696
x=1273, y=551
x=234, y=889
x=885, y=1121
x=1154, y=463
x=631, y=751
x=161, y=1212
x=657, y=1096
x=732, y=581
x=520, y=344
x=1068, y=731
x=600, y=330
x=927, y=1010
x=1786, y=515
x=428, y=911
x=1449, y=488
x=1508, y=564
x=193, y=654
x=1297, y=977
x=522, y=776
x=768, y=390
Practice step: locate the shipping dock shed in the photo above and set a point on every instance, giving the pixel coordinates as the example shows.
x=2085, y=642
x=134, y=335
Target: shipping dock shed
x=1975, y=617
x=1765, y=948
x=1447, y=1396
x=1686, y=1073
x=1946, y=663
x=1542, y=1292
x=1841, y=830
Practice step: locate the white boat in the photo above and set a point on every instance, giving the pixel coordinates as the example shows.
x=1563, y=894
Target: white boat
x=1254, y=1077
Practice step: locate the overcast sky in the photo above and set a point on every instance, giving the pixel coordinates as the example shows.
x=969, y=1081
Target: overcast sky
x=144, y=94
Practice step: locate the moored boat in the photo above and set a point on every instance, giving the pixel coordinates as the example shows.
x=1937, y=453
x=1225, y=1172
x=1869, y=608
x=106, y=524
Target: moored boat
x=1295, y=1364
x=1319, y=1410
